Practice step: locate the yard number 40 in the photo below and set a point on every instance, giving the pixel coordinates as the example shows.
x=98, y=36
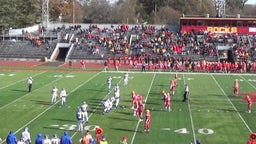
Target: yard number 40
x=204, y=131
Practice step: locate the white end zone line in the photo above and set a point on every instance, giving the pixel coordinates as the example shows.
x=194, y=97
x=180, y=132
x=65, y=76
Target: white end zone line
x=52, y=105
x=138, y=123
x=232, y=104
x=190, y=115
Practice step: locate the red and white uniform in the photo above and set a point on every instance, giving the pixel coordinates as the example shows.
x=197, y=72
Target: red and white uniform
x=249, y=100
x=168, y=103
x=134, y=99
x=236, y=87
x=172, y=87
x=140, y=109
x=176, y=79
x=164, y=96
x=147, y=121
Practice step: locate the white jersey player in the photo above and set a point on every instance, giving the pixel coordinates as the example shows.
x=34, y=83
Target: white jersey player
x=55, y=139
x=80, y=120
x=126, y=77
x=25, y=136
x=54, y=94
x=63, y=96
x=117, y=95
x=109, y=81
x=84, y=108
x=107, y=105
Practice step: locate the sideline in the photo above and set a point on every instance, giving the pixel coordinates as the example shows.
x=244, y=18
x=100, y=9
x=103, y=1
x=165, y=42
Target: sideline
x=138, y=123
x=232, y=104
x=190, y=115
x=51, y=106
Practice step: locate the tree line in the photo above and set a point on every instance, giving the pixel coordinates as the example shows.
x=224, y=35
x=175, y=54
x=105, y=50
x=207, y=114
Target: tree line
x=22, y=13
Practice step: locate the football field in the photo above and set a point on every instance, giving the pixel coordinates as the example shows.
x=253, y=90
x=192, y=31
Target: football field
x=212, y=115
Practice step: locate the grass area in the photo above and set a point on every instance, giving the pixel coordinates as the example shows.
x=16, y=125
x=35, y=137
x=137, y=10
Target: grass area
x=212, y=115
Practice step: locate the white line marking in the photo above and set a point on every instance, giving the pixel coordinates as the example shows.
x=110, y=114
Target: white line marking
x=185, y=73
x=190, y=115
x=28, y=94
x=138, y=123
x=248, y=82
x=231, y=104
x=53, y=105
x=21, y=80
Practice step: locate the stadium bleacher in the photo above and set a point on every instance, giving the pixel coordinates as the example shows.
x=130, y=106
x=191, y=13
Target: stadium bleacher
x=98, y=43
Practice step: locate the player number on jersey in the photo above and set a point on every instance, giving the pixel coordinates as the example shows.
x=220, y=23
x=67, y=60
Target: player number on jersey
x=204, y=131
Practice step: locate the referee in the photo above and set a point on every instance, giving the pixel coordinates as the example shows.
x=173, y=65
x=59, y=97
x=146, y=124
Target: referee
x=30, y=81
x=186, y=92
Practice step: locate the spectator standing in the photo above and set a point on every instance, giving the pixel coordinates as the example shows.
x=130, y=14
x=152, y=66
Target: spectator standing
x=124, y=140
x=25, y=136
x=65, y=139
x=11, y=138
x=46, y=140
x=103, y=140
x=39, y=139
x=143, y=68
x=30, y=81
x=63, y=96
x=105, y=65
x=83, y=62
x=55, y=139
x=86, y=138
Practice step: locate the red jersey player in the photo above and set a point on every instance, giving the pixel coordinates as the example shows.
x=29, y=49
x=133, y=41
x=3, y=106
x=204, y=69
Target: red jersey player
x=140, y=110
x=236, y=87
x=164, y=95
x=249, y=100
x=172, y=87
x=176, y=79
x=147, y=121
x=168, y=103
x=134, y=99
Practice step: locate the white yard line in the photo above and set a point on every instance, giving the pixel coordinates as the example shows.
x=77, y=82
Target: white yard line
x=28, y=94
x=21, y=80
x=190, y=115
x=52, y=105
x=232, y=104
x=138, y=123
x=247, y=82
